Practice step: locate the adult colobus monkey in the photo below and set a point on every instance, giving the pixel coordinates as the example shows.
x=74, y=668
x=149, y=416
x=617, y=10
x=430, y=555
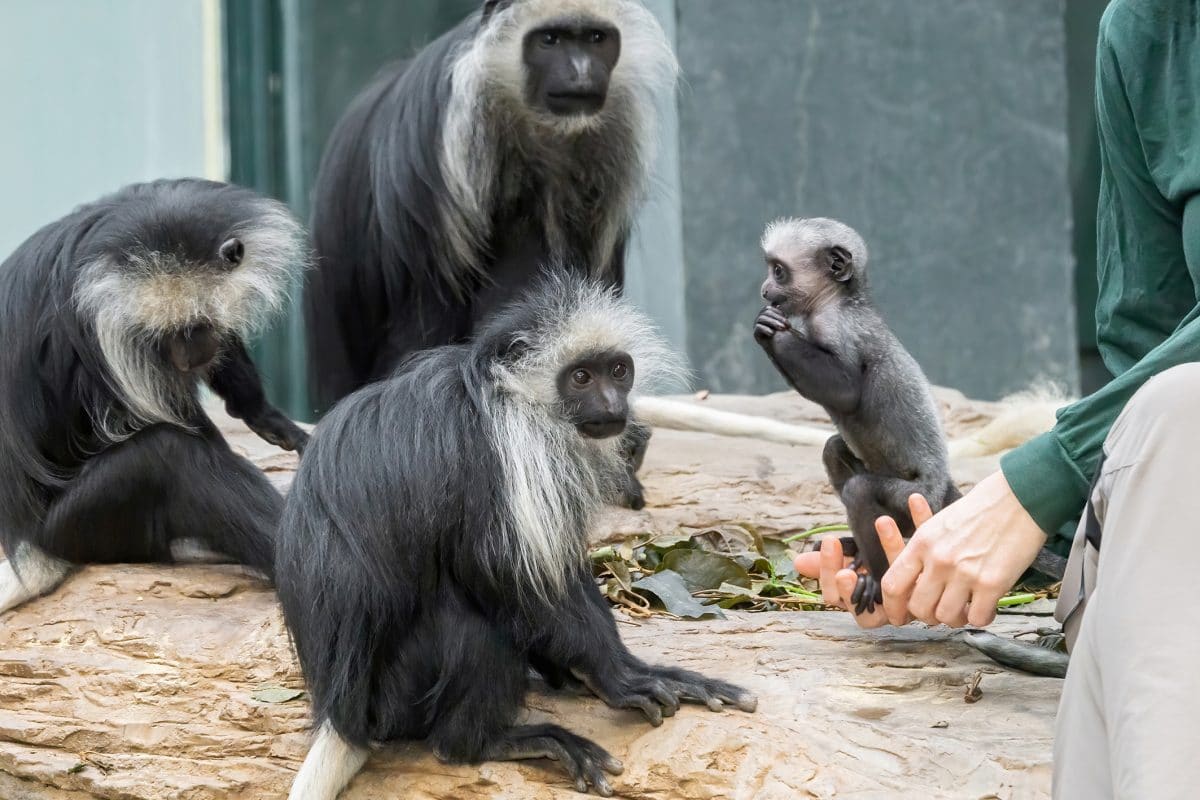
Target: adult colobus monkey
x=435, y=544
x=111, y=317
x=521, y=137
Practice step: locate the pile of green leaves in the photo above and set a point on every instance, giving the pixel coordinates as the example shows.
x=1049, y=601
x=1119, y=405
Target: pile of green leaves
x=693, y=575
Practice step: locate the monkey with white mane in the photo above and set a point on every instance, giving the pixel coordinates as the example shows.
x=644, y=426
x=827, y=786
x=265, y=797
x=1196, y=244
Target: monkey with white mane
x=434, y=542
x=522, y=137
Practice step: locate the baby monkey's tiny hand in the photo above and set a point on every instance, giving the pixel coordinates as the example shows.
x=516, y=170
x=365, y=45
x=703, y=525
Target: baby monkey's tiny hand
x=770, y=321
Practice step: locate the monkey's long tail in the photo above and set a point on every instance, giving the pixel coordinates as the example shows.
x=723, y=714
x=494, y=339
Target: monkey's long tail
x=1023, y=418
x=1025, y=656
x=680, y=416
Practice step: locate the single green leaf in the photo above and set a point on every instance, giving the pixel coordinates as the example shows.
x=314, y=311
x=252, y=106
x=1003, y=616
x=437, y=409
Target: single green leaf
x=701, y=570
x=670, y=590
x=276, y=694
x=783, y=566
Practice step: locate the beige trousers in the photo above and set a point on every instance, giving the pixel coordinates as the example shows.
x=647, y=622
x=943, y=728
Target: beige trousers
x=1129, y=721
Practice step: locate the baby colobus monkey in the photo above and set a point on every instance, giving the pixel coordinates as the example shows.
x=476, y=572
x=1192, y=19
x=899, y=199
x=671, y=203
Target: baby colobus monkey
x=822, y=332
x=111, y=318
x=435, y=544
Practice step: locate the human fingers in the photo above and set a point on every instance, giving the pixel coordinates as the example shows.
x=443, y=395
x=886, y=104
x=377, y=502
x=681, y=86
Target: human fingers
x=983, y=604
x=901, y=577
x=919, y=508
x=890, y=537
x=952, y=608
x=893, y=546
x=833, y=562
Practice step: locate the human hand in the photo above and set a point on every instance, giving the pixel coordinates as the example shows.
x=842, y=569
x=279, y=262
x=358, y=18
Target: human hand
x=961, y=562
x=831, y=567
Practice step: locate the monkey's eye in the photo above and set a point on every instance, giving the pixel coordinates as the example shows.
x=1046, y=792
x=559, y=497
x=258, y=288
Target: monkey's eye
x=581, y=377
x=620, y=371
x=550, y=38
x=777, y=272
x=597, y=37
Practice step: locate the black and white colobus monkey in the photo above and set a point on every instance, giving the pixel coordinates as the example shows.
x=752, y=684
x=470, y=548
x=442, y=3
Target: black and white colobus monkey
x=822, y=332
x=521, y=137
x=111, y=318
x=435, y=544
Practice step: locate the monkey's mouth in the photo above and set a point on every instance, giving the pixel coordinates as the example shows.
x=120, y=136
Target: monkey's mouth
x=567, y=104
x=602, y=430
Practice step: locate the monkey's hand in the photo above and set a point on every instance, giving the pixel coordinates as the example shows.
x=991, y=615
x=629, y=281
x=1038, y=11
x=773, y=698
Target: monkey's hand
x=769, y=322
x=658, y=691
x=272, y=426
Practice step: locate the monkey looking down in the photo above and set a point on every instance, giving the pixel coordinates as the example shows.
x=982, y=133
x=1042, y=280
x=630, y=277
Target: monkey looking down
x=112, y=318
x=822, y=332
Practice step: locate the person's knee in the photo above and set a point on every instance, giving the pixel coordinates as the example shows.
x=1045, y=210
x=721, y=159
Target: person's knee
x=1171, y=397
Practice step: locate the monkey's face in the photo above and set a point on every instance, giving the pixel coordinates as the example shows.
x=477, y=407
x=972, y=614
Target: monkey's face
x=568, y=65
x=594, y=392
x=798, y=283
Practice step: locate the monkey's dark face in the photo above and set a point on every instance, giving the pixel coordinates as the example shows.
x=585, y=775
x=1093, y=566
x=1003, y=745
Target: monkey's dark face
x=192, y=348
x=594, y=392
x=798, y=283
x=569, y=64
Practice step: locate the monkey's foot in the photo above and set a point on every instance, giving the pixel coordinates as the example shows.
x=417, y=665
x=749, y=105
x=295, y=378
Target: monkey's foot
x=658, y=691
x=585, y=761
x=867, y=594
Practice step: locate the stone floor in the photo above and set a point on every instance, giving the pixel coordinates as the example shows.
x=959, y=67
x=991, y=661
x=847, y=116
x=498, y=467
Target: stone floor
x=137, y=683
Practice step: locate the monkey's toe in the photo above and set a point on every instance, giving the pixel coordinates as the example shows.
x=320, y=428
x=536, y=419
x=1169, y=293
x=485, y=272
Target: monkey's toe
x=868, y=593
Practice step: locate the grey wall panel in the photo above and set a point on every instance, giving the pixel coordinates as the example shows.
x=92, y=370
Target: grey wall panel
x=937, y=127
x=654, y=273
x=98, y=95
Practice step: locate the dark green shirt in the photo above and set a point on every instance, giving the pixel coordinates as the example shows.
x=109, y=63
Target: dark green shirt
x=1148, y=241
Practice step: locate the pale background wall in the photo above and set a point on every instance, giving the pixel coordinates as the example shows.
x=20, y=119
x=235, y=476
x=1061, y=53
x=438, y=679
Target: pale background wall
x=95, y=94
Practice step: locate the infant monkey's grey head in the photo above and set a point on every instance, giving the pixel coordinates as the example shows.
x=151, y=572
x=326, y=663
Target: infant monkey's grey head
x=811, y=262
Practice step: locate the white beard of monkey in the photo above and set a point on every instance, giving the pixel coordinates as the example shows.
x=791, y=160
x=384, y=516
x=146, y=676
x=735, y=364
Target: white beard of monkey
x=132, y=303
x=557, y=479
x=488, y=108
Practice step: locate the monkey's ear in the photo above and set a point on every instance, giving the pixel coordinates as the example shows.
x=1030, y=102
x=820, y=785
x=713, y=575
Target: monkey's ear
x=514, y=348
x=492, y=6
x=841, y=263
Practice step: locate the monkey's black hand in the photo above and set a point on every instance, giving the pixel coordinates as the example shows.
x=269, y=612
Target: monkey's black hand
x=633, y=495
x=769, y=322
x=658, y=691
x=280, y=431
x=867, y=594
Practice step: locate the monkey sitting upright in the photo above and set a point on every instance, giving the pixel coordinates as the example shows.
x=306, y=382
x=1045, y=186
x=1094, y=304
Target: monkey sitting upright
x=435, y=545
x=822, y=332
x=111, y=318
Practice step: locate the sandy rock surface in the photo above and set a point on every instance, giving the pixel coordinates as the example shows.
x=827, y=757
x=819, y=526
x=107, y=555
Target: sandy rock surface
x=138, y=682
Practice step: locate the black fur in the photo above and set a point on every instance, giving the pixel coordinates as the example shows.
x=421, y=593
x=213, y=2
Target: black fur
x=388, y=282
x=69, y=486
x=409, y=611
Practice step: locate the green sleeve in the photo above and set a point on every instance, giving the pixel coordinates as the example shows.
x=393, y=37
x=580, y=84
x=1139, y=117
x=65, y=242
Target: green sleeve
x=1148, y=241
